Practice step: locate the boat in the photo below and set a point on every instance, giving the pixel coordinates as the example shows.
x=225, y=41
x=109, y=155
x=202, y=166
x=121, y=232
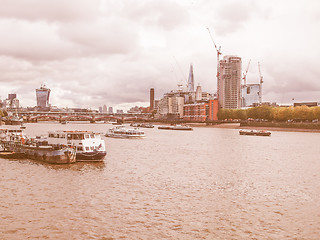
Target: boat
x=182, y=127
x=15, y=144
x=121, y=132
x=136, y=125
x=176, y=127
x=165, y=127
x=142, y=125
x=146, y=125
x=89, y=146
x=255, y=132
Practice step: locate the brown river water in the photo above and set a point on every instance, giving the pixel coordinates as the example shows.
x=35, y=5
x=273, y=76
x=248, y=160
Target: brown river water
x=210, y=183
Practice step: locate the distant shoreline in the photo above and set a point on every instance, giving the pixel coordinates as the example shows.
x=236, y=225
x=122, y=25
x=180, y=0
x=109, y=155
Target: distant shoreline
x=237, y=126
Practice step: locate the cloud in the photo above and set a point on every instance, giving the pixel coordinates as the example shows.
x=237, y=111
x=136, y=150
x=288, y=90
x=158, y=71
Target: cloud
x=111, y=52
x=58, y=10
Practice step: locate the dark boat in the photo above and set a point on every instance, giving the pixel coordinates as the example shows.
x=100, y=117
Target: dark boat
x=255, y=132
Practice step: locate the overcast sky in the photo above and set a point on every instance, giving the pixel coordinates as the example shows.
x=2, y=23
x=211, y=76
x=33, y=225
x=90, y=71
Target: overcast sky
x=92, y=52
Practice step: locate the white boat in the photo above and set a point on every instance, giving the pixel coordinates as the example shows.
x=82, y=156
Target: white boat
x=89, y=145
x=121, y=132
x=182, y=127
x=176, y=127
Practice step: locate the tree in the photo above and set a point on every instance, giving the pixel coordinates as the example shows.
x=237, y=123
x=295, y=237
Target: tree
x=240, y=114
x=316, y=112
x=303, y=113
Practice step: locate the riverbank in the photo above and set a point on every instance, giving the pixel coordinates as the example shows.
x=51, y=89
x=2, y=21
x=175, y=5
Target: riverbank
x=267, y=128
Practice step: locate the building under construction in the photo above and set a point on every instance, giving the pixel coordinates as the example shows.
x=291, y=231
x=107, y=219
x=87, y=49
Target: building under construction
x=229, y=82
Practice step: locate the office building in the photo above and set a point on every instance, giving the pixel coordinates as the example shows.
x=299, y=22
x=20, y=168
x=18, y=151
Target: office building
x=229, y=82
x=202, y=111
x=43, y=95
x=105, y=109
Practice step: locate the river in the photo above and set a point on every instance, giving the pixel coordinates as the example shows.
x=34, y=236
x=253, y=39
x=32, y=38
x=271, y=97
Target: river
x=210, y=183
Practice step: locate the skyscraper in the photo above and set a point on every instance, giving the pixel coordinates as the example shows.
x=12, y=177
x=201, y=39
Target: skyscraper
x=151, y=99
x=191, y=80
x=229, y=82
x=43, y=95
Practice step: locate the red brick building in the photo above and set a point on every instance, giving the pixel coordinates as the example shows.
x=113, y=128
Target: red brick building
x=213, y=108
x=200, y=112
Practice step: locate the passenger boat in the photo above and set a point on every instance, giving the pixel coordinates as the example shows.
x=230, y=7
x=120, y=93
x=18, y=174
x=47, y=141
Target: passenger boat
x=165, y=127
x=182, y=127
x=89, y=146
x=255, y=132
x=121, y=132
x=143, y=125
x=176, y=127
x=146, y=125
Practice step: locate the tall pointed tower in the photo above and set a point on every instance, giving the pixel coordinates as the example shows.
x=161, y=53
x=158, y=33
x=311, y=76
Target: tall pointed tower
x=191, y=80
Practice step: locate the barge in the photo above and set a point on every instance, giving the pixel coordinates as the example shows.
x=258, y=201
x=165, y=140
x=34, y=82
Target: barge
x=14, y=144
x=255, y=132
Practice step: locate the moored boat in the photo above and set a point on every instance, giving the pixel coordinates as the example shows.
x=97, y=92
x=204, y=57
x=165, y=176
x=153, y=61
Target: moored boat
x=165, y=127
x=146, y=125
x=255, y=132
x=89, y=146
x=176, y=127
x=121, y=132
x=182, y=127
x=17, y=145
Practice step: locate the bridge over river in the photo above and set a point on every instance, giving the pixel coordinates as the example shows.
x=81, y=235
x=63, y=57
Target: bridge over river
x=33, y=116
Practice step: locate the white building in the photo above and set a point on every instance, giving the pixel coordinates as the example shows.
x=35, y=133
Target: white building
x=172, y=103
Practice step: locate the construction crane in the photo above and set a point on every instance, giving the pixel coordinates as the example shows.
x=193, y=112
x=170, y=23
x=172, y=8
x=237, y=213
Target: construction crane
x=218, y=61
x=245, y=74
x=260, y=84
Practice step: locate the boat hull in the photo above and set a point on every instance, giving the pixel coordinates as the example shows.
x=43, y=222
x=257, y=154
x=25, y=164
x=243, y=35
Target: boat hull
x=91, y=156
x=178, y=128
x=43, y=153
x=254, y=133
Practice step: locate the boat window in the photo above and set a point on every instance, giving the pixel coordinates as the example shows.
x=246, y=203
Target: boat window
x=80, y=148
x=87, y=136
x=87, y=148
x=92, y=135
x=69, y=137
x=62, y=136
x=91, y=148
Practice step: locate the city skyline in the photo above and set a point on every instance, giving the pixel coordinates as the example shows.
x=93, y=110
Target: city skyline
x=91, y=53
